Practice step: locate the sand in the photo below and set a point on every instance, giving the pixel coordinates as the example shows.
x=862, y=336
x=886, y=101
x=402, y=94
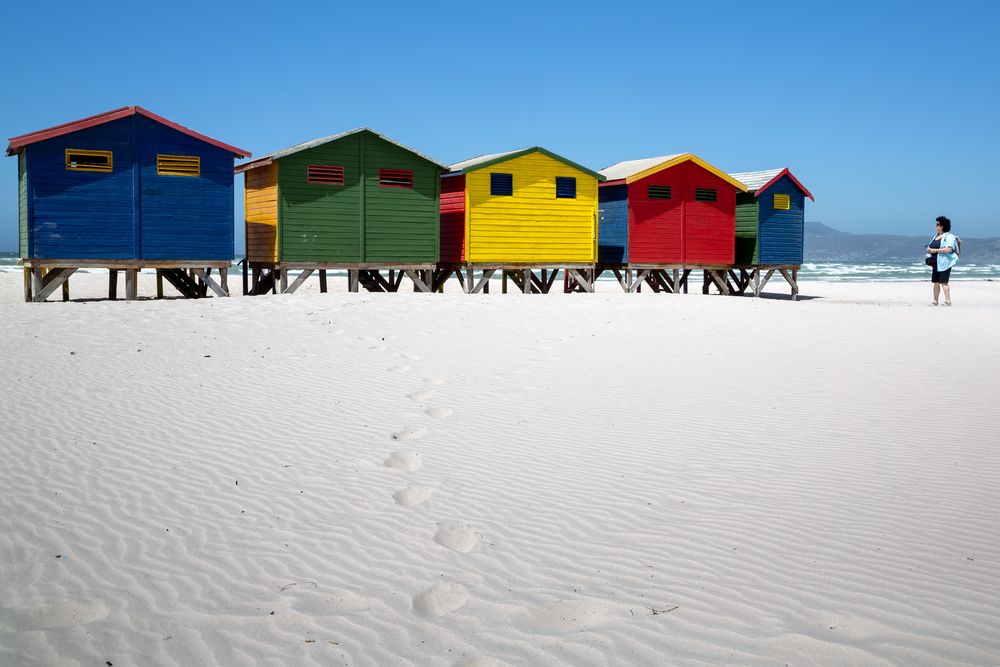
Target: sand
x=608, y=479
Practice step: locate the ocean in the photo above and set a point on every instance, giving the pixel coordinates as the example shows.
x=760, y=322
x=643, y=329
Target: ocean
x=819, y=271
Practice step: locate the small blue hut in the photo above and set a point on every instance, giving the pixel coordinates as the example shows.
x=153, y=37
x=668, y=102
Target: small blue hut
x=770, y=219
x=125, y=189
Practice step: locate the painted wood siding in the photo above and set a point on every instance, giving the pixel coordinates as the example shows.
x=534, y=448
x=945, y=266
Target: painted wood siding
x=22, y=205
x=453, y=218
x=532, y=226
x=781, y=232
x=260, y=206
x=401, y=224
x=656, y=226
x=321, y=222
x=184, y=217
x=82, y=214
x=746, y=229
x=612, y=218
x=709, y=227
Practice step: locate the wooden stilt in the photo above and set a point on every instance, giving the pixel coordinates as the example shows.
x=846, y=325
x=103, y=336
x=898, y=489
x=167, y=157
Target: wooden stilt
x=322, y=281
x=276, y=273
x=795, y=284
x=131, y=288
x=159, y=284
x=526, y=281
x=302, y=277
x=37, y=278
x=224, y=280
x=27, y=285
x=246, y=277
x=284, y=281
x=112, y=284
x=353, y=280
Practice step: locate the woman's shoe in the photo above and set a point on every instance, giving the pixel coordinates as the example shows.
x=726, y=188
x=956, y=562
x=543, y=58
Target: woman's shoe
x=947, y=303
x=934, y=303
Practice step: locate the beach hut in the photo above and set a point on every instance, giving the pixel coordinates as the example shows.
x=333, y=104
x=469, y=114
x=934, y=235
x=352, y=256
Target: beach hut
x=528, y=213
x=124, y=190
x=357, y=201
x=770, y=222
x=668, y=213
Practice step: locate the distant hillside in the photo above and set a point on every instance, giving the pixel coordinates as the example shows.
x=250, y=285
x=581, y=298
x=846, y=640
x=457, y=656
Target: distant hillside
x=826, y=244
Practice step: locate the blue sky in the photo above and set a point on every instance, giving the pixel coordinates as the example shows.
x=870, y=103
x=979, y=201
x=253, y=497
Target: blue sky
x=886, y=111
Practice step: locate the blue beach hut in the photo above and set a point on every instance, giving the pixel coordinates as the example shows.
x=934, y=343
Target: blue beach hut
x=124, y=190
x=770, y=219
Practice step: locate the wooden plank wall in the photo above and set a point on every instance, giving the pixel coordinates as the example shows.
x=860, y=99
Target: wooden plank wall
x=532, y=226
x=261, y=213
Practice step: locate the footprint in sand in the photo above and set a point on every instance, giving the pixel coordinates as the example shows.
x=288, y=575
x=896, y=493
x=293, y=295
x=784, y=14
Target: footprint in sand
x=50, y=613
x=435, y=380
x=421, y=395
x=412, y=495
x=442, y=598
x=408, y=461
x=439, y=413
x=409, y=434
x=462, y=539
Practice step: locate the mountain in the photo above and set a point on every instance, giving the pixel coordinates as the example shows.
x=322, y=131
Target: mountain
x=826, y=244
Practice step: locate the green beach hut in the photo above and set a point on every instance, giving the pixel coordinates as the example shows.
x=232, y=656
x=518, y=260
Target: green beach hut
x=356, y=201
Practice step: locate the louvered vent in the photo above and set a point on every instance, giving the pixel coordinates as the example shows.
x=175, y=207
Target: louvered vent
x=502, y=184
x=705, y=194
x=658, y=192
x=178, y=165
x=782, y=202
x=395, y=178
x=565, y=187
x=325, y=174
x=82, y=160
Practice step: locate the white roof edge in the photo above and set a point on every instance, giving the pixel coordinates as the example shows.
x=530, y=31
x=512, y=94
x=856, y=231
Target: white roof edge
x=754, y=180
x=628, y=168
x=479, y=159
x=305, y=145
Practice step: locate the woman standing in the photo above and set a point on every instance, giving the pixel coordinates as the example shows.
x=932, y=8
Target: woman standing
x=943, y=256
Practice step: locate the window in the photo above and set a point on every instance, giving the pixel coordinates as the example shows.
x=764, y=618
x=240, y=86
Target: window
x=178, y=165
x=82, y=160
x=502, y=184
x=395, y=178
x=705, y=194
x=325, y=174
x=658, y=192
x=565, y=187
x=782, y=202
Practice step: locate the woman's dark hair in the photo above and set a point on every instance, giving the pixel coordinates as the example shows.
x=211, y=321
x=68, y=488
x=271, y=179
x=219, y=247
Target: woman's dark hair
x=945, y=223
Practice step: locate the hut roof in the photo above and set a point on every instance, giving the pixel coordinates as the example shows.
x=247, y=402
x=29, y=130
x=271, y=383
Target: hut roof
x=633, y=170
x=758, y=181
x=19, y=142
x=481, y=161
x=306, y=145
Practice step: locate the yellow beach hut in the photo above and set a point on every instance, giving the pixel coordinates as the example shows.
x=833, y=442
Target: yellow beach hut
x=519, y=212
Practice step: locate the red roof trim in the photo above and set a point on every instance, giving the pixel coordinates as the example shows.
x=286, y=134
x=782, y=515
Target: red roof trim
x=784, y=172
x=19, y=142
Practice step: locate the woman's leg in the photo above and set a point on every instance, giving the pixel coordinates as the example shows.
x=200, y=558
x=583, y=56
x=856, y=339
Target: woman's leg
x=947, y=293
x=937, y=292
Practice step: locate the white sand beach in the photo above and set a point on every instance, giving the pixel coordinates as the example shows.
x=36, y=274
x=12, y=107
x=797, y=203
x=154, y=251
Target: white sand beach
x=443, y=479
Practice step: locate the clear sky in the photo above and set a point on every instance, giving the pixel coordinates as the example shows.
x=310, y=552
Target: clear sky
x=887, y=111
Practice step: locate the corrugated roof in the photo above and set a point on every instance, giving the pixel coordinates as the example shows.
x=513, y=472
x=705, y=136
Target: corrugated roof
x=633, y=170
x=758, y=181
x=481, y=161
x=19, y=142
x=632, y=167
x=754, y=180
x=306, y=145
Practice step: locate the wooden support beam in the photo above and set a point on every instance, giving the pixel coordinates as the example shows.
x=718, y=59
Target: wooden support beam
x=284, y=282
x=419, y=284
x=676, y=281
x=27, y=284
x=224, y=279
x=578, y=276
x=640, y=278
x=205, y=275
x=276, y=273
x=297, y=283
x=353, y=279
x=53, y=280
x=322, y=281
x=246, y=276
x=526, y=277
x=131, y=284
x=767, y=277
x=792, y=280
x=484, y=281
x=159, y=284
x=112, y=284
x=755, y=274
